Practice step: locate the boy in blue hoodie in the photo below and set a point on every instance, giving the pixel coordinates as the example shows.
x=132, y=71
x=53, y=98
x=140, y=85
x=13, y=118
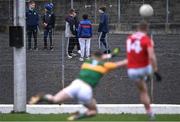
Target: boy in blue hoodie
x=85, y=34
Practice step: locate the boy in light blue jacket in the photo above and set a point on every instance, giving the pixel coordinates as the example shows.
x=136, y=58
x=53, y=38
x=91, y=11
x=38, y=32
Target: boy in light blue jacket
x=85, y=34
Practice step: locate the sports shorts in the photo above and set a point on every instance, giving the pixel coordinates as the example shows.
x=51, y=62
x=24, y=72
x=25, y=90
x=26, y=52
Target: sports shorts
x=137, y=74
x=80, y=91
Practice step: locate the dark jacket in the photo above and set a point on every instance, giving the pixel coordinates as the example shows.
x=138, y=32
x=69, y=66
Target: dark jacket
x=85, y=29
x=32, y=18
x=76, y=19
x=70, y=30
x=49, y=18
x=103, y=24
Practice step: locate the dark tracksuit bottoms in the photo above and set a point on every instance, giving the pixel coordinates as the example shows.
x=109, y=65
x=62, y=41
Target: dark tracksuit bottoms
x=32, y=21
x=72, y=42
x=49, y=19
x=32, y=31
x=103, y=39
x=48, y=32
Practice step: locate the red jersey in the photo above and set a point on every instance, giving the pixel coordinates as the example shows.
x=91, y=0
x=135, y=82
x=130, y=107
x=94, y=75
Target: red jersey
x=136, y=46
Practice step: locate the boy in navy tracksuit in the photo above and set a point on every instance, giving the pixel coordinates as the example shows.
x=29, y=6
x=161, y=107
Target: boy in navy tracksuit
x=32, y=22
x=85, y=34
x=49, y=24
x=103, y=29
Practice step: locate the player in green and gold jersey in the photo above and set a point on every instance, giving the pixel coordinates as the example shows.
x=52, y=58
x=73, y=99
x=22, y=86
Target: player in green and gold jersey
x=91, y=72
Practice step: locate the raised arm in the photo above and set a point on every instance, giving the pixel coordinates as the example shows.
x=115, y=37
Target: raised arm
x=122, y=63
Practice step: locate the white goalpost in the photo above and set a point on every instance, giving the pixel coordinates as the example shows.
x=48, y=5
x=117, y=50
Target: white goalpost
x=19, y=55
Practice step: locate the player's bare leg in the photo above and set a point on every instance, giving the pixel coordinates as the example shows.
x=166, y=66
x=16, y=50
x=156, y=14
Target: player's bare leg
x=58, y=98
x=145, y=98
x=54, y=99
x=92, y=111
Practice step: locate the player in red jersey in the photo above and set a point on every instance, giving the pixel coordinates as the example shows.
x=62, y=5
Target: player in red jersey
x=141, y=63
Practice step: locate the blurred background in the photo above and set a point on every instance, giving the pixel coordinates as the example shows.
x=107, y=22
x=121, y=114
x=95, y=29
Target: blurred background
x=48, y=71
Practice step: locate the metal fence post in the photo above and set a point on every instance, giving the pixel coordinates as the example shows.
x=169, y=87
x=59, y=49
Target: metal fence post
x=167, y=15
x=20, y=60
x=119, y=15
x=72, y=4
x=95, y=14
x=152, y=81
x=62, y=61
x=119, y=11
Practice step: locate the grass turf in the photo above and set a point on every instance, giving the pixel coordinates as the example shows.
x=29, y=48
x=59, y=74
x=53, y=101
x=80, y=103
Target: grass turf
x=100, y=117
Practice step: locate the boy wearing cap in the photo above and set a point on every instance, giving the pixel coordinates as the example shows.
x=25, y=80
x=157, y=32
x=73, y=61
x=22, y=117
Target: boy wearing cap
x=49, y=24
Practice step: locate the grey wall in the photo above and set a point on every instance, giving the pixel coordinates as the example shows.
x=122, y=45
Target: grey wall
x=44, y=71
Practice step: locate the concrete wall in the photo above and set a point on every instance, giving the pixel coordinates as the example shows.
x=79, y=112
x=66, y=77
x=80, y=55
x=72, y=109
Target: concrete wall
x=102, y=109
x=44, y=71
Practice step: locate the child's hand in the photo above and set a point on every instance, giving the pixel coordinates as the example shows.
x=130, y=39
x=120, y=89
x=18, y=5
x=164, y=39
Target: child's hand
x=45, y=24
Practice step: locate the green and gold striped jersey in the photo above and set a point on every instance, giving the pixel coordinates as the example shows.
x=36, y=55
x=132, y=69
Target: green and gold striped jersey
x=92, y=71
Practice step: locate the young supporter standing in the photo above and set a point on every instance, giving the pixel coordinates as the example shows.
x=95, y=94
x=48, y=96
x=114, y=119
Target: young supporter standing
x=85, y=34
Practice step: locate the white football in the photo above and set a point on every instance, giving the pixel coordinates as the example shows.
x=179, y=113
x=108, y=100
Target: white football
x=146, y=10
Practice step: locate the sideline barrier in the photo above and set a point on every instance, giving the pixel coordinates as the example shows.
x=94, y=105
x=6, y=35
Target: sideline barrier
x=102, y=108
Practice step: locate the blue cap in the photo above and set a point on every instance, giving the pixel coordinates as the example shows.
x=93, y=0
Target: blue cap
x=52, y=5
x=49, y=6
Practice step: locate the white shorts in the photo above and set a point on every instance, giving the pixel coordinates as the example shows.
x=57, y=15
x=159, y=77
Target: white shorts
x=80, y=91
x=137, y=74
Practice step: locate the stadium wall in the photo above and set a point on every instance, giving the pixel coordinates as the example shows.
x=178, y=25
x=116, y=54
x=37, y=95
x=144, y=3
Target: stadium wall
x=44, y=72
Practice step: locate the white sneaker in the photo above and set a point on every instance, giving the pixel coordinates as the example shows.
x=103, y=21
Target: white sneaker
x=79, y=51
x=69, y=57
x=73, y=54
x=81, y=59
x=88, y=58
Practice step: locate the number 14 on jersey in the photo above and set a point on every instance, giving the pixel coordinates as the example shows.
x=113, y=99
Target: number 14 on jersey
x=136, y=46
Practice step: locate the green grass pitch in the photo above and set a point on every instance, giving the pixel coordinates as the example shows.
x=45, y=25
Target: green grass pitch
x=99, y=117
